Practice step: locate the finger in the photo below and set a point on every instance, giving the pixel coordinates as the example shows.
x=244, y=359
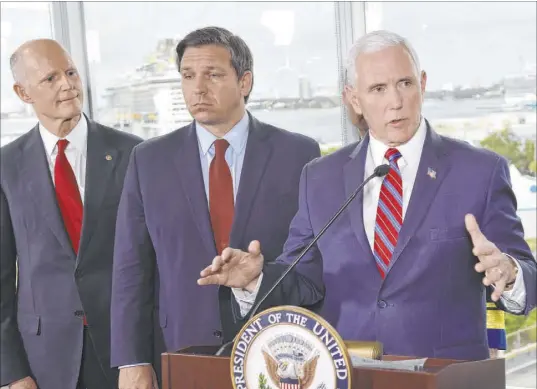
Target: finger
x=487, y=281
x=254, y=248
x=473, y=229
x=499, y=288
x=217, y=264
x=207, y=271
x=227, y=254
x=487, y=262
x=213, y=279
x=493, y=276
x=484, y=249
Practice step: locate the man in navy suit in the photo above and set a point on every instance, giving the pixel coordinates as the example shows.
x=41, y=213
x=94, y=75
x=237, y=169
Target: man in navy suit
x=223, y=180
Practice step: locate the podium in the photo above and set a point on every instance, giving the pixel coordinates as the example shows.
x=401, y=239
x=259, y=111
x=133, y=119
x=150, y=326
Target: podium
x=198, y=368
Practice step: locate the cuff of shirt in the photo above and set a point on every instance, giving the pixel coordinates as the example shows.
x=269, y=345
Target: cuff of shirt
x=515, y=299
x=136, y=364
x=242, y=295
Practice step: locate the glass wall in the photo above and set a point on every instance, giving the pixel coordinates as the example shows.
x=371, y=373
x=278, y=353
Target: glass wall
x=20, y=22
x=136, y=85
x=481, y=86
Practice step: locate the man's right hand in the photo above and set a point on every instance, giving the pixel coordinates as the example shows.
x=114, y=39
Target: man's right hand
x=25, y=383
x=235, y=268
x=137, y=377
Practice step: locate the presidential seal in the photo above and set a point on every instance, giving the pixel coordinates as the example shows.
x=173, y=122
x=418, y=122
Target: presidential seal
x=289, y=348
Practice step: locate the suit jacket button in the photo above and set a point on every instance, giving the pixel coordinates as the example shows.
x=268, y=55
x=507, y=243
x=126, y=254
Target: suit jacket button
x=217, y=333
x=382, y=304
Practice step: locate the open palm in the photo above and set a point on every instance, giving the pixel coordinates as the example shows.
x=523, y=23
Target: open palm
x=234, y=268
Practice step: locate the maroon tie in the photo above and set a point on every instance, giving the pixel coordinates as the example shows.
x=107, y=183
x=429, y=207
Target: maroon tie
x=221, y=196
x=68, y=197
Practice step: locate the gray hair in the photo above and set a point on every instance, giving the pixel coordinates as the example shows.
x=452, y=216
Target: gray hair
x=14, y=61
x=376, y=41
x=241, y=56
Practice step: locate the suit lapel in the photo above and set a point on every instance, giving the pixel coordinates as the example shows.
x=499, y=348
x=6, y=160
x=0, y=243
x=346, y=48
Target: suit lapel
x=353, y=172
x=188, y=165
x=424, y=190
x=100, y=163
x=36, y=173
x=256, y=157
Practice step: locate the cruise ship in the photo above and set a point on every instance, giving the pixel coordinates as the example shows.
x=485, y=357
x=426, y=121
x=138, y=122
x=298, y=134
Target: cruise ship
x=148, y=100
x=520, y=90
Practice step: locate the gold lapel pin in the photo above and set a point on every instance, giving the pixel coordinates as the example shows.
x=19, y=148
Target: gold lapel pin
x=108, y=157
x=431, y=173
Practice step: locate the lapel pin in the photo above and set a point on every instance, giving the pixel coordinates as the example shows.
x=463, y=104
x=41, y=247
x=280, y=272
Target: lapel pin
x=431, y=173
x=108, y=157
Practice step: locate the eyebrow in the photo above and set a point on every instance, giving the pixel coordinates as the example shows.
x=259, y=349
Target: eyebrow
x=208, y=68
x=381, y=84
x=54, y=72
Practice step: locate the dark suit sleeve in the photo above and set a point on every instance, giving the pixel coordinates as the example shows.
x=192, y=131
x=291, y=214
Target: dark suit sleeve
x=503, y=227
x=304, y=285
x=133, y=278
x=14, y=362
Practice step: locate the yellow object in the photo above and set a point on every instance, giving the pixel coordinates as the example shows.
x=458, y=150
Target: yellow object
x=371, y=350
x=495, y=317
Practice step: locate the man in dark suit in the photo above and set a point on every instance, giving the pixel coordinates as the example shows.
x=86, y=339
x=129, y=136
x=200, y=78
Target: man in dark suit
x=60, y=188
x=407, y=264
x=220, y=181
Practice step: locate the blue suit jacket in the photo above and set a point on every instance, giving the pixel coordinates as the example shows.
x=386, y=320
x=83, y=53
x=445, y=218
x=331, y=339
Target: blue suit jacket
x=432, y=301
x=164, y=233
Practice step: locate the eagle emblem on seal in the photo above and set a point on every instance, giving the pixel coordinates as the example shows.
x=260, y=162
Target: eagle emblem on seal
x=291, y=361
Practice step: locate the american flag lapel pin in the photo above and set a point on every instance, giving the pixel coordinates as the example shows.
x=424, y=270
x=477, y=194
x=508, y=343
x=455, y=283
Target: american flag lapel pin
x=431, y=173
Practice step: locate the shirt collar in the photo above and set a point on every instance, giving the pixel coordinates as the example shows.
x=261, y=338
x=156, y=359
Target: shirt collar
x=410, y=150
x=236, y=136
x=77, y=138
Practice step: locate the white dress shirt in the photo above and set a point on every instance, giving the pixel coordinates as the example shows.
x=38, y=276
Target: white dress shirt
x=514, y=299
x=76, y=151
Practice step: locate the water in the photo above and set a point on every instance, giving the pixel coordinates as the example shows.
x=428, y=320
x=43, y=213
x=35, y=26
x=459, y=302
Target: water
x=324, y=125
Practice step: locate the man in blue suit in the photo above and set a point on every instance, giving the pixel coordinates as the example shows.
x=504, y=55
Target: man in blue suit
x=223, y=180
x=408, y=262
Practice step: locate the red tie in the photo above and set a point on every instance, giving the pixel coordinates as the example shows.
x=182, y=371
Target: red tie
x=68, y=197
x=221, y=196
x=389, y=214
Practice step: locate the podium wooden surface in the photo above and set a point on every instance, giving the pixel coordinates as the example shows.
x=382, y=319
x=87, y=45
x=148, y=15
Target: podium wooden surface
x=196, y=368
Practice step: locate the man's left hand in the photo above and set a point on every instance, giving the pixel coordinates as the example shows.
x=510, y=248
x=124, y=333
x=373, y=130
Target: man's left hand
x=499, y=269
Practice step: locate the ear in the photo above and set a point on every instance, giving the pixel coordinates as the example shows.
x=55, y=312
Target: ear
x=21, y=92
x=352, y=97
x=246, y=83
x=423, y=82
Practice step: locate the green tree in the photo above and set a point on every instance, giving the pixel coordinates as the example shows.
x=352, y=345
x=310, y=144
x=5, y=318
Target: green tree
x=506, y=143
x=329, y=150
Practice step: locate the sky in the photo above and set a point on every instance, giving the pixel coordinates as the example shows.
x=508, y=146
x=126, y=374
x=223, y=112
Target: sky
x=458, y=43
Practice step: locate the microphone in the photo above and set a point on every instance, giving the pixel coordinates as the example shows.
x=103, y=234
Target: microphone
x=380, y=171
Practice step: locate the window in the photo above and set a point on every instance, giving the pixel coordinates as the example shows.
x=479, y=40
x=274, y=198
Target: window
x=136, y=86
x=480, y=62
x=20, y=22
